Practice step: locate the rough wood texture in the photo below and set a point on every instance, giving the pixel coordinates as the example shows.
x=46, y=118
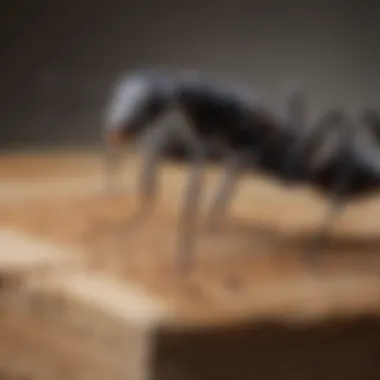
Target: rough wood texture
x=62, y=321
x=78, y=301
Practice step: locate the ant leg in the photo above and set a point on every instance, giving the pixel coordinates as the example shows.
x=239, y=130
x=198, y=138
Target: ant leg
x=295, y=105
x=305, y=151
x=339, y=191
x=147, y=187
x=225, y=190
x=321, y=238
x=191, y=206
x=336, y=205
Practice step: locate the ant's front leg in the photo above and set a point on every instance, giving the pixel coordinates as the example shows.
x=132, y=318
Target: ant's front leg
x=191, y=206
x=147, y=186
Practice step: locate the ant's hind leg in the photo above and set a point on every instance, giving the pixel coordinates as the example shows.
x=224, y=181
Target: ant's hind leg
x=191, y=205
x=321, y=238
x=338, y=198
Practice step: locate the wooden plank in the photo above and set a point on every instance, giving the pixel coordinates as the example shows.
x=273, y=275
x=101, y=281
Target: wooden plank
x=64, y=319
x=236, y=317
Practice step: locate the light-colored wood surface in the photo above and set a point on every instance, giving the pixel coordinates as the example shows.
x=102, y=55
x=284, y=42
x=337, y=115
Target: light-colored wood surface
x=60, y=320
x=67, y=272
x=251, y=267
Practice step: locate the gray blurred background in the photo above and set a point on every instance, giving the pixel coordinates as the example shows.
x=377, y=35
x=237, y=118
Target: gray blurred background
x=59, y=58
